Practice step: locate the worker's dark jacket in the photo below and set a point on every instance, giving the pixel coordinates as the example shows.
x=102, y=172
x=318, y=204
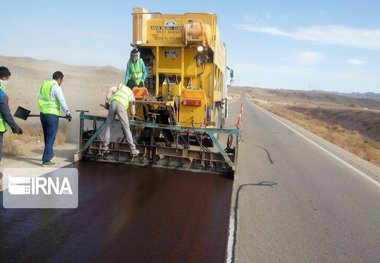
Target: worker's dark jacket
x=6, y=112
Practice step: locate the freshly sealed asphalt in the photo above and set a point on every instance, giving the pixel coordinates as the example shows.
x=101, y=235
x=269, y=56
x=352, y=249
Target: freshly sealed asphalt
x=125, y=214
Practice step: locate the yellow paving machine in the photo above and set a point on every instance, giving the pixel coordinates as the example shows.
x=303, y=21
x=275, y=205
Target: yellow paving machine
x=182, y=109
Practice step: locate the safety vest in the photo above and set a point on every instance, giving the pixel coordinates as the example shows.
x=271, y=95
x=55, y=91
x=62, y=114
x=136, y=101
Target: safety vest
x=136, y=70
x=123, y=95
x=48, y=104
x=3, y=124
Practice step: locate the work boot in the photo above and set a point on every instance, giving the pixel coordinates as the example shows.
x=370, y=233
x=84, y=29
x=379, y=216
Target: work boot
x=135, y=152
x=48, y=164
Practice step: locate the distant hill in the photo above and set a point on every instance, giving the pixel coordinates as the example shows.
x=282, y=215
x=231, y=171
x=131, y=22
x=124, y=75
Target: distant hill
x=359, y=112
x=366, y=95
x=84, y=87
x=319, y=98
x=363, y=95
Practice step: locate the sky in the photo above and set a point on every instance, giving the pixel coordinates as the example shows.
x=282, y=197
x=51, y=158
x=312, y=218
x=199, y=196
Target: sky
x=331, y=45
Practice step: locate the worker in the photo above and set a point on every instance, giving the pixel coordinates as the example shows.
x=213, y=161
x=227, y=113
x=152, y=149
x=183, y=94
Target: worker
x=135, y=73
x=5, y=113
x=51, y=100
x=118, y=100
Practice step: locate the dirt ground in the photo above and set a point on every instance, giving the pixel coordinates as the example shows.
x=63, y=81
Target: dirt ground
x=84, y=88
x=351, y=122
x=365, y=122
x=356, y=114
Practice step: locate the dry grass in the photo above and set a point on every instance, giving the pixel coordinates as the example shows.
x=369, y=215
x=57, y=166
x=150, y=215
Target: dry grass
x=11, y=147
x=350, y=140
x=32, y=138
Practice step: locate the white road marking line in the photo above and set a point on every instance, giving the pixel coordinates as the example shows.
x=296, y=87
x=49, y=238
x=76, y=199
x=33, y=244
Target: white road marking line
x=230, y=240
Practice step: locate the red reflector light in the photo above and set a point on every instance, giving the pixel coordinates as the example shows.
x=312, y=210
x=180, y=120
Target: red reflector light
x=192, y=102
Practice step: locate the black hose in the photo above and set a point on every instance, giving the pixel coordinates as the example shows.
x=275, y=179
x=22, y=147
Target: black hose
x=230, y=140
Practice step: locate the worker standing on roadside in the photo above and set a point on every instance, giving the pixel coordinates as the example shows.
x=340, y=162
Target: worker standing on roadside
x=5, y=112
x=51, y=101
x=135, y=73
x=118, y=100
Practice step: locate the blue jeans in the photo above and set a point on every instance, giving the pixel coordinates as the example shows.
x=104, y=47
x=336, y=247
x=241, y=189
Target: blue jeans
x=1, y=145
x=50, y=127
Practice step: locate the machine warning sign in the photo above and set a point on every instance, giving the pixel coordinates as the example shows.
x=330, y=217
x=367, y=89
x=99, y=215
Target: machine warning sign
x=168, y=25
x=171, y=53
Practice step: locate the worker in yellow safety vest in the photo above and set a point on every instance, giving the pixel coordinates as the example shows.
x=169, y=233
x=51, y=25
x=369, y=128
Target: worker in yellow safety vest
x=118, y=100
x=135, y=73
x=5, y=113
x=50, y=102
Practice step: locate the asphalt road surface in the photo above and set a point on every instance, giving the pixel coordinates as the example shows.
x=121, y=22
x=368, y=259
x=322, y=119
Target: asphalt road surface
x=300, y=199
x=125, y=214
x=296, y=198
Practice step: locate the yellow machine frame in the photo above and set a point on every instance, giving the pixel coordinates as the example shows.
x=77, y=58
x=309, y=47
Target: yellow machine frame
x=186, y=63
x=181, y=108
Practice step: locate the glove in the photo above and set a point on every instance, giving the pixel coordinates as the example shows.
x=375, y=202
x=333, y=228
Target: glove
x=130, y=84
x=18, y=131
x=107, y=106
x=68, y=117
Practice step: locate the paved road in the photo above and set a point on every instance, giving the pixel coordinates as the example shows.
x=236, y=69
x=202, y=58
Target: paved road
x=125, y=214
x=295, y=203
x=298, y=203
